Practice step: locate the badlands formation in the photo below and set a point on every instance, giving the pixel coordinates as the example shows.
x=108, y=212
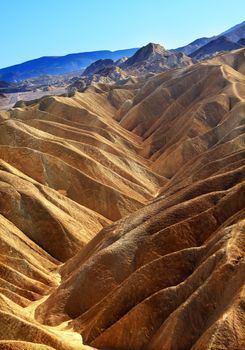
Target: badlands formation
x=122, y=214
x=149, y=59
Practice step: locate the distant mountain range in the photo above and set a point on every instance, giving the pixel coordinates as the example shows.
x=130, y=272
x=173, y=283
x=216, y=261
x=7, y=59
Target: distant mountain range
x=233, y=34
x=222, y=43
x=57, y=65
x=201, y=48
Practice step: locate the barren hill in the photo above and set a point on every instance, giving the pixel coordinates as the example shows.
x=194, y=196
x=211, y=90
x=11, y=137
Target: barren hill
x=122, y=214
x=155, y=58
x=233, y=34
x=148, y=60
x=221, y=44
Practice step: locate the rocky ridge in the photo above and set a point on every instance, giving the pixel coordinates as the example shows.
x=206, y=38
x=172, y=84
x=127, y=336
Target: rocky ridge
x=122, y=214
x=150, y=59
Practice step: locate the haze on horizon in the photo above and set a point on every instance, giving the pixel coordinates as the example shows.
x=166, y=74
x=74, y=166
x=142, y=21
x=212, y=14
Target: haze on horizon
x=31, y=29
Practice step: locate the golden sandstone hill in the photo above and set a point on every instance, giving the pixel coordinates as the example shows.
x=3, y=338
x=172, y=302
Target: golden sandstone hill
x=122, y=215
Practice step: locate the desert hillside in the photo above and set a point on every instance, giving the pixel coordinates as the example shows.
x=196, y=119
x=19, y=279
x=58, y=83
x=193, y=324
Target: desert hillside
x=122, y=214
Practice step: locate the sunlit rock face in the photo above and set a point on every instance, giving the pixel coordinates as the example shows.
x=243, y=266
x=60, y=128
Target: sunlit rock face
x=122, y=214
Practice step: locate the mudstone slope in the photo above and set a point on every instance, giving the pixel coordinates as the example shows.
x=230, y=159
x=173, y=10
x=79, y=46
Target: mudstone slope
x=122, y=214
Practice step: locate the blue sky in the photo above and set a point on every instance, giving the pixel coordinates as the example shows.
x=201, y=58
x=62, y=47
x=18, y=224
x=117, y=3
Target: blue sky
x=34, y=28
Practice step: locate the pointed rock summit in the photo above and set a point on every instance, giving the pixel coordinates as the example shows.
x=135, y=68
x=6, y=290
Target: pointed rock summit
x=154, y=58
x=146, y=52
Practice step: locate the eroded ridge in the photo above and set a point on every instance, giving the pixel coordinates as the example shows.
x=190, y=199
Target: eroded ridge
x=122, y=214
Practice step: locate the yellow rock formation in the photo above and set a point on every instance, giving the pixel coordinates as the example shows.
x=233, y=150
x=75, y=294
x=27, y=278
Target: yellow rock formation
x=122, y=215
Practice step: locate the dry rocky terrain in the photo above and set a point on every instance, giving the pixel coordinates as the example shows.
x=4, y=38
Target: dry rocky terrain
x=148, y=60
x=122, y=214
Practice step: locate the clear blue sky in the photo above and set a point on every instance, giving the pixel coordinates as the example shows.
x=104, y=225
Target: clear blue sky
x=34, y=28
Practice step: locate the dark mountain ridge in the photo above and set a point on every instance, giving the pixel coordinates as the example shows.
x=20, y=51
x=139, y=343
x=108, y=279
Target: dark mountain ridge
x=233, y=34
x=221, y=44
x=57, y=65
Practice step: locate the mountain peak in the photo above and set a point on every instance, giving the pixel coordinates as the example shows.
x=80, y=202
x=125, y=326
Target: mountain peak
x=151, y=48
x=154, y=48
x=145, y=52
